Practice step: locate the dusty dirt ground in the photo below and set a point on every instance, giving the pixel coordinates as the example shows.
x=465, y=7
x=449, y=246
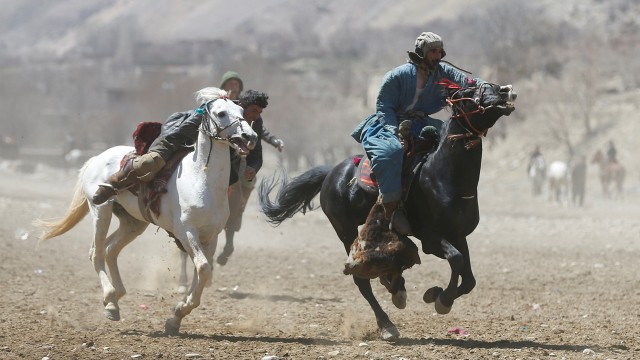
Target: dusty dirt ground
x=554, y=282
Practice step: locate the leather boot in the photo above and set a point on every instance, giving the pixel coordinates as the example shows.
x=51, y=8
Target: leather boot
x=397, y=220
x=118, y=181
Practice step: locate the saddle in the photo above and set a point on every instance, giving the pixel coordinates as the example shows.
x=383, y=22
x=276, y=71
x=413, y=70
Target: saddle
x=149, y=193
x=417, y=149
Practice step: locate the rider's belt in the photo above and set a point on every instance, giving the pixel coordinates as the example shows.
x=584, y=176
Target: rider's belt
x=412, y=115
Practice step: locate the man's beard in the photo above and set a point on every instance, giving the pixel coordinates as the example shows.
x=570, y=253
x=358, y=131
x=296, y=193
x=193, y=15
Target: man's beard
x=429, y=65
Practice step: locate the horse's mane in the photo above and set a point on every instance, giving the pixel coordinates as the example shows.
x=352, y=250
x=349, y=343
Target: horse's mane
x=208, y=94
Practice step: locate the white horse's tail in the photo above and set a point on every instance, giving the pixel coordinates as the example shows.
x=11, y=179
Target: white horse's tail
x=77, y=210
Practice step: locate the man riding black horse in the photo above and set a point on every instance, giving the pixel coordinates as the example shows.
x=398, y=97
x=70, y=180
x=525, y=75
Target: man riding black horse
x=408, y=92
x=441, y=199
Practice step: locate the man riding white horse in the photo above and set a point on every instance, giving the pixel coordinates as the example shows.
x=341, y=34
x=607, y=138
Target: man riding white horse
x=408, y=92
x=179, y=131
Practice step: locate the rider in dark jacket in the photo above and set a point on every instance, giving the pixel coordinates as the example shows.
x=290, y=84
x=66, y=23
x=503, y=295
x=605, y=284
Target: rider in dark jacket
x=180, y=130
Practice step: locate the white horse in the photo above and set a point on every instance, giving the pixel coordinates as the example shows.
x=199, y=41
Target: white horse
x=195, y=208
x=558, y=175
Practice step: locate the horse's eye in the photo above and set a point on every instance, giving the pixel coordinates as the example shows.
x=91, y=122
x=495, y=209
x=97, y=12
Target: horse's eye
x=222, y=114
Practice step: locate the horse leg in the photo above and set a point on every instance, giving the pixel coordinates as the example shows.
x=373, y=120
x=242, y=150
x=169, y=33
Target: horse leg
x=444, y=298
x=101, y=219
x=394, y=283
x=202, y=275
x=238, y=197
x=129, y=229
x=619, y=175
x=228, y=248
x=605, y=186
x=183, y=280
x=210, y=250
x=468, y=281
x=388, y=331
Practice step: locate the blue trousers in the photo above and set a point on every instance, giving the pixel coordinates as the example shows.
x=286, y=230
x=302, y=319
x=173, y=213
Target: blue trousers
x=384, y=150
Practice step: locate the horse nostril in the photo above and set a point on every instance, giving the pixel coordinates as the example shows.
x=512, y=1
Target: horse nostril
x=250, y=139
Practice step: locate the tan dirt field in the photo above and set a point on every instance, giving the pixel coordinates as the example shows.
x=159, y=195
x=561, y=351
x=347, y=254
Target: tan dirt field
x=554, y=282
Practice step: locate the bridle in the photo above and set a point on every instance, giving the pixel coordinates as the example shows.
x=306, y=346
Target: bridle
x=214, y=134
x=473, y=136
x=205, y=125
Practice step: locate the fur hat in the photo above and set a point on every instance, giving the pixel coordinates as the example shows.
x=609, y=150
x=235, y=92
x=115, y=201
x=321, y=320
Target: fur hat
x=425, y=42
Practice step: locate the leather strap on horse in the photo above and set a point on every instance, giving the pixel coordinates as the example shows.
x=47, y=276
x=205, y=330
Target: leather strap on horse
x=469, y=144
x=412, y=174
x=150, y=193
x=143, y=204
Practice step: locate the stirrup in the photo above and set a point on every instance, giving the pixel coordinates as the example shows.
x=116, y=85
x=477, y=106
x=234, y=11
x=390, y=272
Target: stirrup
x=405, y=231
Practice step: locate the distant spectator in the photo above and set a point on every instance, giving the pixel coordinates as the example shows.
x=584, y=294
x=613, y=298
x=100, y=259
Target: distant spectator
x=535, y=157
x=612, y=153
x=578, y=180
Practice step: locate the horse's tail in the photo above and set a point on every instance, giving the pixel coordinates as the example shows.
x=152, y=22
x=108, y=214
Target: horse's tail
x=293, y=197
x=77, y=210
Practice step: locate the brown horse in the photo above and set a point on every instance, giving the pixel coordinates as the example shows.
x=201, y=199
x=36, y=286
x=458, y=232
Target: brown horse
x=610, y=172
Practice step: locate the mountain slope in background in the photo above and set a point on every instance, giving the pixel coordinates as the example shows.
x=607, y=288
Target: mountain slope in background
x=55, y=28
x=41, y=30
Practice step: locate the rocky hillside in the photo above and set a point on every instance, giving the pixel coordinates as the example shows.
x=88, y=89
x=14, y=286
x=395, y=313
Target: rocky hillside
x=564, y=58
x=56, y=28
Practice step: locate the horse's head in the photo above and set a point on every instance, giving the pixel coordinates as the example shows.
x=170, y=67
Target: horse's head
x=479, y=106
x=224, y=121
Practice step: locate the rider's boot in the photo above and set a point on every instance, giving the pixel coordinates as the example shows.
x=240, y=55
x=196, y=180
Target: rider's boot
x=118, y=181
x=142, y=168
x=394, y=212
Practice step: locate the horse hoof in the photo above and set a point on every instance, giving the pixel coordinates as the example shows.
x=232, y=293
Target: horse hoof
x=172, y=326
x=432, y=294
x=222, y=260
x=182, y=289
x=399, y=299
x=441, y=308
x=389, y=333
x=112, y=312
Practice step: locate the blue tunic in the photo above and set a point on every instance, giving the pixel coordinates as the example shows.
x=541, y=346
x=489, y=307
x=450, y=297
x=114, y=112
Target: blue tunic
x=377, y=133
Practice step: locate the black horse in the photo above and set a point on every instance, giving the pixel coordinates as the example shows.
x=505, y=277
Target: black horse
x=441, y=203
